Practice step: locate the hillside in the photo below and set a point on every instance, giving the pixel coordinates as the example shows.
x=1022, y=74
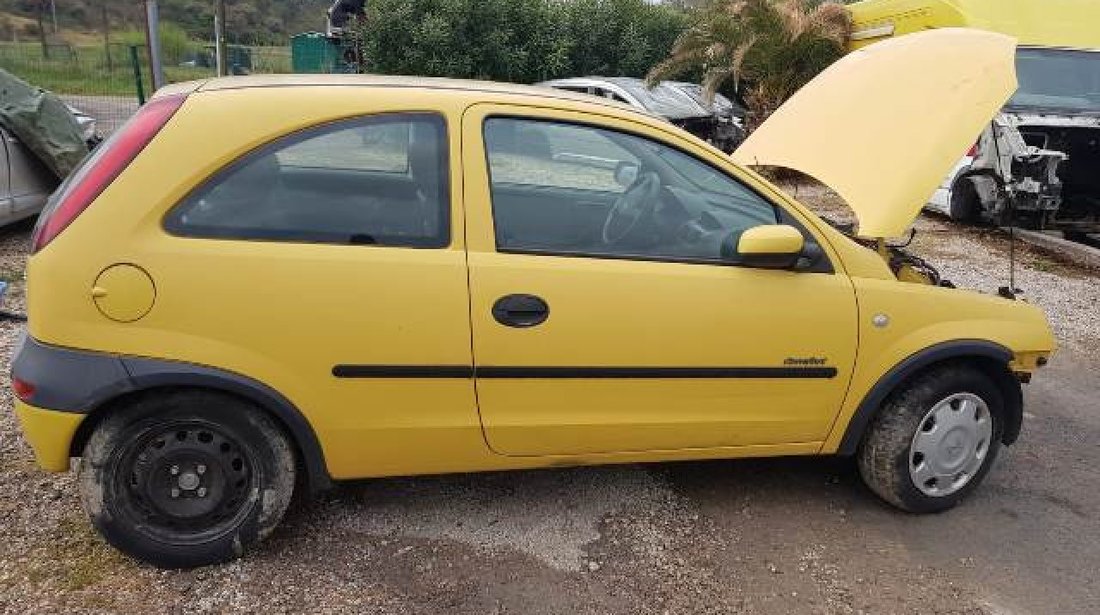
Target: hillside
x=248, y=21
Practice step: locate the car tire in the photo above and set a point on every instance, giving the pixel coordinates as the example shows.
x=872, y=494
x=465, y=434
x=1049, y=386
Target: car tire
x=182, y=479
x=934, y=440
x=964, y=205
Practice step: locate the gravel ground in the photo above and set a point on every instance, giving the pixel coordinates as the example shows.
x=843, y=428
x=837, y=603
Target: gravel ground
x=762, y=536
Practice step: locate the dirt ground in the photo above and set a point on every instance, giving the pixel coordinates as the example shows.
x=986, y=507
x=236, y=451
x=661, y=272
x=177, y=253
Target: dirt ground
x=767, y=536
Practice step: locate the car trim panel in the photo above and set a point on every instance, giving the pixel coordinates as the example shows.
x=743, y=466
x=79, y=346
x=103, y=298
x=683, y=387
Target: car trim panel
x=960, y=349
x=578, y=372
x=67, y=380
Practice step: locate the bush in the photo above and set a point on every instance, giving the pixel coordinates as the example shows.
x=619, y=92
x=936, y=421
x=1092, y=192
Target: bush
x=517, y=40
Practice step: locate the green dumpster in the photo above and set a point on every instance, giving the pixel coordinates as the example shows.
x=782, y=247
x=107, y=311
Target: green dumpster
x=313, y=52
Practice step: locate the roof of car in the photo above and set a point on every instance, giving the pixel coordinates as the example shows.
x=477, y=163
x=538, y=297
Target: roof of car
x=686, y=107
x=594, y=79
x=623, y=80
x=384, y=81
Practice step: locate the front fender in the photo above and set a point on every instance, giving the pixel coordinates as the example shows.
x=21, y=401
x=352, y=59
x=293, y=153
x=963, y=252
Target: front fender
x=927, y=325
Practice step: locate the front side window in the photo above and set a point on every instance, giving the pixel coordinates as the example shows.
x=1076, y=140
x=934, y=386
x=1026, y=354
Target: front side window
x=371, y=181
x=574, y=189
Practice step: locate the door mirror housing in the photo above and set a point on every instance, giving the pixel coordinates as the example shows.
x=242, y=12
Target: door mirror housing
x=772, y=246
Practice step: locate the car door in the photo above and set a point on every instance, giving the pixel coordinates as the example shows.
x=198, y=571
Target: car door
x=586, y=346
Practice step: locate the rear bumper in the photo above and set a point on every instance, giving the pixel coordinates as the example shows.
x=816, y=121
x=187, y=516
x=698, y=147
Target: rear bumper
x=66, y=383
x=68, y=380
x=50, y=433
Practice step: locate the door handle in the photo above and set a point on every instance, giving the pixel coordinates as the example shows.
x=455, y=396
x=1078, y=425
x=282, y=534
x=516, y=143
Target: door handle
x=521, y=311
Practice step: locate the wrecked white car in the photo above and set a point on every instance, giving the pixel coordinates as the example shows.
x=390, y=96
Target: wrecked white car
x=1038, y=163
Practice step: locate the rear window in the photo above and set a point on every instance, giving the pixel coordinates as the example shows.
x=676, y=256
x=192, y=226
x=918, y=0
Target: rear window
x=379, y=180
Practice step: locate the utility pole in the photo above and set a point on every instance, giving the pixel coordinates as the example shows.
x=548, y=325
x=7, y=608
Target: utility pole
x=152, y=42
x=53, y=11
x=42, y=29
x=107, y=38
x=221, y=60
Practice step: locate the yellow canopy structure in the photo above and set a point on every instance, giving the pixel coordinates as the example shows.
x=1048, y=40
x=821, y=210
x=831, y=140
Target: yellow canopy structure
x=1043, y=23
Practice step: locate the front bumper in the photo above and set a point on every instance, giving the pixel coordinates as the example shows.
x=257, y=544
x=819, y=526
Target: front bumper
x=50, y=433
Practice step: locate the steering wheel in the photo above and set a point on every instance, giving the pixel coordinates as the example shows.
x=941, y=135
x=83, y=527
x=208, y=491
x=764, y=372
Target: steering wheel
x=630, y=208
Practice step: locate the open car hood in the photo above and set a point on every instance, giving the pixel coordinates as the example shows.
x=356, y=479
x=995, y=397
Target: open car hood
x=884, y=125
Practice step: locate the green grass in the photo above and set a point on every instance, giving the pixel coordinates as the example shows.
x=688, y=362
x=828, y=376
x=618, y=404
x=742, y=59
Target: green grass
x=10, y=275
x=75, y=558
x=85, y=70
x=1042, y=264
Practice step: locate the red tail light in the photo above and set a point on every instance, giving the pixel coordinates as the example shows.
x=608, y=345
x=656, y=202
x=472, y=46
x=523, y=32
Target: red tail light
x=102, y=167
x=23, y=389
x=974, y=150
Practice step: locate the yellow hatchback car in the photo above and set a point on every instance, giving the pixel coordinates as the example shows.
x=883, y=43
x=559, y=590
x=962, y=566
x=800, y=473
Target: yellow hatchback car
x=264, y=283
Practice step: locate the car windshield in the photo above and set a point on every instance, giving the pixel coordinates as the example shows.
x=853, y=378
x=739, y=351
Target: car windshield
x=1058, y=80
x=664, y=100
x=721, y=103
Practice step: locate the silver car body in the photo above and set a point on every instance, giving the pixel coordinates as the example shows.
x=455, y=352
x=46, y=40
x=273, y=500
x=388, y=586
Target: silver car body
x=721, y=105
x=663, y=100
x=25, y=183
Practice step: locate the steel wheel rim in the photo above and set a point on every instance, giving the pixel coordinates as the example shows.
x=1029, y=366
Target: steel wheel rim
x=951, y=444
x=159, y=472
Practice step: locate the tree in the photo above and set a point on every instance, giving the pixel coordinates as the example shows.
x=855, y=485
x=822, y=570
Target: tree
x=768, y=49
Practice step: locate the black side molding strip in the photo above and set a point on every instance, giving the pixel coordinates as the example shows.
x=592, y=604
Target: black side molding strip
x=462, y=371
x=655, y=372
x=403, y=371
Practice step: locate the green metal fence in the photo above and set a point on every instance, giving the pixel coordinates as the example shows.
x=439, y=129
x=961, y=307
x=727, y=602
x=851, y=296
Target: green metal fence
x=109, y=82
x=98, y=80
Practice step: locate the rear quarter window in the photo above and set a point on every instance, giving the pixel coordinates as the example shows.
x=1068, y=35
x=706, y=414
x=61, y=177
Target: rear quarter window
x=379, y=180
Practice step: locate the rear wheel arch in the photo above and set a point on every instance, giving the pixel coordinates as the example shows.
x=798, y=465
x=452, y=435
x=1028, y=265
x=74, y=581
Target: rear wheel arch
x=973, y=194
x=964, y=203
x=307, y=448
x=186, y=477
x=989, y=357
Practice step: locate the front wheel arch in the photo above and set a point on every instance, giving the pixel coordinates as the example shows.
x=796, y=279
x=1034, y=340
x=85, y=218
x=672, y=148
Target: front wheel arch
x=991, y=358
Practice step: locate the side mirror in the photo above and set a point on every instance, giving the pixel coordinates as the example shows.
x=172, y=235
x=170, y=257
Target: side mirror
x=626, y=173
x=772, y=246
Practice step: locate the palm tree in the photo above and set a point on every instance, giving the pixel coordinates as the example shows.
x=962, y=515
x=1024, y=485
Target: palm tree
x=767, y=48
